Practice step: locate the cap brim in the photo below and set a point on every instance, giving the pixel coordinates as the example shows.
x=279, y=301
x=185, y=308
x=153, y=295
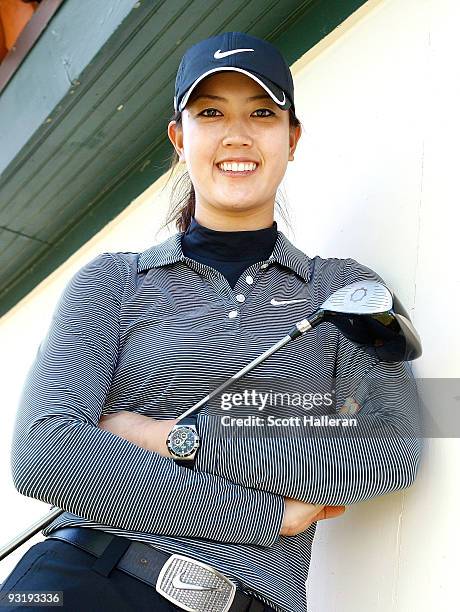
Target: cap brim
x=277, y=95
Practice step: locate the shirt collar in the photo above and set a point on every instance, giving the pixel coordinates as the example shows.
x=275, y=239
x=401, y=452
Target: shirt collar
x=170, y=251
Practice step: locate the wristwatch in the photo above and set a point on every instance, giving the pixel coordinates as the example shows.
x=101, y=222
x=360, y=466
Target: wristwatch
x=183, y=442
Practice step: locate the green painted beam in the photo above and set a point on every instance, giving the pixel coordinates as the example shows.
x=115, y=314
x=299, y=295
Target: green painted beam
x=75, y=35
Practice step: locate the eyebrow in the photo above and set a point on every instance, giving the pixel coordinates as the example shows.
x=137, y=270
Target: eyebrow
x=210, y=96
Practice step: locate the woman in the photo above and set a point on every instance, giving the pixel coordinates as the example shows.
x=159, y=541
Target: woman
x=136, y=339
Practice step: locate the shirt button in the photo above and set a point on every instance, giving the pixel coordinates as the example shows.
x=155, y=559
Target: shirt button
x=249, y=280
x=263, y=266
x=240, y=297
x=232, y=314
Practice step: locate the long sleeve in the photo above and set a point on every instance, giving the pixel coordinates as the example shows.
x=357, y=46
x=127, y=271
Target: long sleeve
x=340, y=465
x=60, y=456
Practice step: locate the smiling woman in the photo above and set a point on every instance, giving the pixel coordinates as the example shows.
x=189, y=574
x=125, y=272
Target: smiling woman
x=230, y=119
x=236, y=142
x=164, y=513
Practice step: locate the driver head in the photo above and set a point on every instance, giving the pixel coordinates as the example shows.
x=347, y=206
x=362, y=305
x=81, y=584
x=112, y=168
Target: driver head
x=362, y=297
x=370, y=315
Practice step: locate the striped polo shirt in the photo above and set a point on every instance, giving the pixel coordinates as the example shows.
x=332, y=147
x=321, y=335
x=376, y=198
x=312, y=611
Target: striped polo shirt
x=155, y=332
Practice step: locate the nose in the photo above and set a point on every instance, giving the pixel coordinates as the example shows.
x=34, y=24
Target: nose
x=237, y=134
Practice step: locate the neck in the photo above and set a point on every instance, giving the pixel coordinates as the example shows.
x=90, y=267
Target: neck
x=206, y=243
x=233, y=221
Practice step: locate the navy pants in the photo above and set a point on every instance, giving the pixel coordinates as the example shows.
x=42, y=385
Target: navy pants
x=54, y=565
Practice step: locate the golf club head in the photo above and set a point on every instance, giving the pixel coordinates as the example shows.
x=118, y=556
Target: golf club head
x=370, y=315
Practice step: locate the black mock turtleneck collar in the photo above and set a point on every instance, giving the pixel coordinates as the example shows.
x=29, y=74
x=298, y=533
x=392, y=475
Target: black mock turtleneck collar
x=204, y=242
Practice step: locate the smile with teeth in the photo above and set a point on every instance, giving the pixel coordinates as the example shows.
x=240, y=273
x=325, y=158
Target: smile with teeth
x=237, y=166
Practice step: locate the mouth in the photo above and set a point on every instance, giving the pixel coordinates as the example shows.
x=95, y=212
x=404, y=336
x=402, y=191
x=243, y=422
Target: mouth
x=237, y=169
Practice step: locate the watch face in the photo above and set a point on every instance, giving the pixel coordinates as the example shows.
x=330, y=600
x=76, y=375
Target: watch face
x=183, y=441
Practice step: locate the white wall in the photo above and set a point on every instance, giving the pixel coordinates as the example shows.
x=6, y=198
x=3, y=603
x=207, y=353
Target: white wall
x=373, y=178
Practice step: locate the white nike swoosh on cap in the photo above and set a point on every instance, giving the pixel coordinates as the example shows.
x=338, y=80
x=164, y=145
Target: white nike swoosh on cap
x=275, y=302
x=219, y=54
x=178, y=584
x=283, y=101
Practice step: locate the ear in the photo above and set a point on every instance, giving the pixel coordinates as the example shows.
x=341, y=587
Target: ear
x=176, y=137
x=294, y=135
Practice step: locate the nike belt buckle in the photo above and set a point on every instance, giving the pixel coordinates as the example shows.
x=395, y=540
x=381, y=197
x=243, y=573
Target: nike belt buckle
x=195, y=586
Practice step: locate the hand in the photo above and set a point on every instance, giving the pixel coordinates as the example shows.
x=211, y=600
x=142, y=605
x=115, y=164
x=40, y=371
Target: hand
x=298, y=515
x=139, y=429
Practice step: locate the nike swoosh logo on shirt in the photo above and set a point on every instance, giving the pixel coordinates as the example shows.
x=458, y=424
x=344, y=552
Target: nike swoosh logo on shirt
x=275, y=302
x=220, y=54
x=178, y=584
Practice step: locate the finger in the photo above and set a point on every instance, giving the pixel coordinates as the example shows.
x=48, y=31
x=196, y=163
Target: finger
x=333, y=511
x=330, y=512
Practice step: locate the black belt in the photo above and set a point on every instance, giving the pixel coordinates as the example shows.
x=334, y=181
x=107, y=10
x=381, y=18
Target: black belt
x=147, y=564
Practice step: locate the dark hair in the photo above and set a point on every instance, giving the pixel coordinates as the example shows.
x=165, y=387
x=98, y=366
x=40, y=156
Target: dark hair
x=182, y=198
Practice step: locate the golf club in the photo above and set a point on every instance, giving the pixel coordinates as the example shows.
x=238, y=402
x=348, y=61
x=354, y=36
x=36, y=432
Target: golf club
x=366, y=312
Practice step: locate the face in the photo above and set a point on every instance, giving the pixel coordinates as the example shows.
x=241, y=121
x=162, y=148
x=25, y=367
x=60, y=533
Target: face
x=228, y=117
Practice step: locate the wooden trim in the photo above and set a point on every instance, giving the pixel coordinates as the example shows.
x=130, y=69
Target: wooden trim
x=26, y=39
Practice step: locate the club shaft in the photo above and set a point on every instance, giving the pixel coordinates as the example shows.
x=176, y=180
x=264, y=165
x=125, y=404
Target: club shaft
x=247, y=368
x=28, y=533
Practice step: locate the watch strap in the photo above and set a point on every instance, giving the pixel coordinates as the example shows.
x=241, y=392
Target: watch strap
x=191, y=419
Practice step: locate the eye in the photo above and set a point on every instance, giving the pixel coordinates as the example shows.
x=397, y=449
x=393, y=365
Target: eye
x=264, y=109
x=204, y=112
x=208, y=109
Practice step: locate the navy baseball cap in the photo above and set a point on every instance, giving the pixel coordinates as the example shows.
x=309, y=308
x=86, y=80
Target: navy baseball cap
x=255, y=57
